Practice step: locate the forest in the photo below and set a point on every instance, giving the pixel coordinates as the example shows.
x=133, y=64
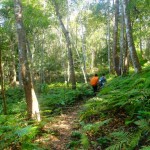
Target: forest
x=49, y=52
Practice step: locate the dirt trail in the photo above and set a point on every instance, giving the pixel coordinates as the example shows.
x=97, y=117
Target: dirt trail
x=60, y=129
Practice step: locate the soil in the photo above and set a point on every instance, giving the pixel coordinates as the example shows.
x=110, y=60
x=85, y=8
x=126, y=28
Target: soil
x=57, y=132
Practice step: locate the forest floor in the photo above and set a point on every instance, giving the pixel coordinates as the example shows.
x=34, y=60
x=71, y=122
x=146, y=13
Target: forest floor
x=57, y=132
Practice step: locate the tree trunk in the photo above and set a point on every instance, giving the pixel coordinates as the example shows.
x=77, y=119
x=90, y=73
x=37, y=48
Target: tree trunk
x=108, y=38
x=67, y=37
x=42, y=59
x=84, y=55
x=2, y=85
x=141, y=49
x=115, y=55
x=133, y=54
x=83, y=69
x=126, y=58
x=122, y=48
x=93, y=54
x=12, y=69
x=31, y=100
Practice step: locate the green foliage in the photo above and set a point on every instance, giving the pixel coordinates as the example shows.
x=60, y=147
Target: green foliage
x=139, y=83
x=73, y=144
x=103, y=140
x=15, y=132
x=56, y=96
x=94, y=128
x=34, y=17
x=147, y=84
x=126, y=101
x=76, y=135
x=143, y=124
x=145, y=148
x=85, y=141
x=75, y=139
x=14, y=94
x=119, y=144
x=27, y=133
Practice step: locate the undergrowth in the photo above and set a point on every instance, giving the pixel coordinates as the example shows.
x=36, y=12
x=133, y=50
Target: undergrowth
x=54, y=97
x=118, y=118
x=16, y=132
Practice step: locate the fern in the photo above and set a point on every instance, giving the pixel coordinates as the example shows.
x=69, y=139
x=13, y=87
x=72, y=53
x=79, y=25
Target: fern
x=95, y=127
x=116, y=146
x=120, y=135
x=143, y=124
x=145, y=148
x=27, y=133
x=85, y=141
x=120, y=140
x=147, y=84
x=134, y=139
x=139, y=82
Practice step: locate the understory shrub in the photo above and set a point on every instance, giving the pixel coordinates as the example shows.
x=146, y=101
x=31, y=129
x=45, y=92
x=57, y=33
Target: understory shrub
x=126, y=102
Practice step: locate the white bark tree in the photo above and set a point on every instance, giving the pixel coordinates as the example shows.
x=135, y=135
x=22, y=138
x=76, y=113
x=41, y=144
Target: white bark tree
x=31, y=99
x=133, y=53
x=69, y=46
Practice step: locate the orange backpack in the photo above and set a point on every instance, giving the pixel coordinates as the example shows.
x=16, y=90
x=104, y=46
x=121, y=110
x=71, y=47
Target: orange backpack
x=94, y=81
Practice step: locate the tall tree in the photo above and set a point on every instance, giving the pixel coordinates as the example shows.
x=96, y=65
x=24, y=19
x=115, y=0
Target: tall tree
x=2, y=83
x=31, y=100
x=133, y=53
x=108, y=37
x=115, y=40
x=122, y=43
x=12, y=73
x=69, y=47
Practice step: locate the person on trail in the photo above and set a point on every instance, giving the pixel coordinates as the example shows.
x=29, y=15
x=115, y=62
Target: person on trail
x=94, y=82
x=102, y=80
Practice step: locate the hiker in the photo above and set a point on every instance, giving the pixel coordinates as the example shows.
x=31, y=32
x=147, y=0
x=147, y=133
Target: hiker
x=102, y=80
x=94, y=82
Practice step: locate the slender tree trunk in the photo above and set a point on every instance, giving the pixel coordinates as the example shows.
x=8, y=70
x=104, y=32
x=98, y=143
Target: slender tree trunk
x=92, y=59
x=147, y=48
x=67, y=37
x=2, y=85
x=141, y=49
x=30, y=56
x=108, y=38
x=83, y=69
x=80, y=60
x=133, y=53
x=42, y=59
x=126, y=58
x=13, y=72
x=115, y=55
x=122, y=48
x=84, y=55
x=31, y=100
x=12, y=66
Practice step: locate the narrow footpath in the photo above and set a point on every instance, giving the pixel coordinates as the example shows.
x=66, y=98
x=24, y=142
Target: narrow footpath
x=57, y=132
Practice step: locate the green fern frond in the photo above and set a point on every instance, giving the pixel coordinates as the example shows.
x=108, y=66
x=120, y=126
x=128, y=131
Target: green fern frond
x=85, y=141
x=116, y=146
x=139, y=82
x=143, y=124
x=134, y=139
x=120, y=135
x=27, y=132
x=120, y=140
x=145, y=148
x=95, y=127
x=147, y=84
